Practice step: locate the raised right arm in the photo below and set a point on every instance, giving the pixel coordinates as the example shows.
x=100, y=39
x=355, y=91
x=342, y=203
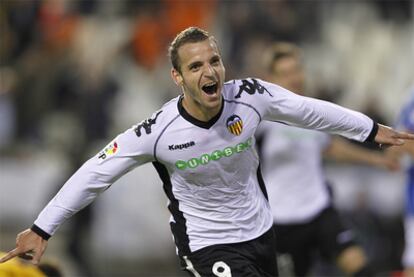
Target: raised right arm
x=96, y=175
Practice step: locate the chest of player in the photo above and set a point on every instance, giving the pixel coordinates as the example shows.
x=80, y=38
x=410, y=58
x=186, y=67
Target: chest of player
x=188, y=147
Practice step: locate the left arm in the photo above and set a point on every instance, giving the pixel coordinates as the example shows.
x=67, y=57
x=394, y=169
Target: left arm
x=306, y=112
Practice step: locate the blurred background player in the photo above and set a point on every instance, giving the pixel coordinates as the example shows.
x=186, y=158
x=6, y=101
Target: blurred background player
x=406, y=122
x=304, y=217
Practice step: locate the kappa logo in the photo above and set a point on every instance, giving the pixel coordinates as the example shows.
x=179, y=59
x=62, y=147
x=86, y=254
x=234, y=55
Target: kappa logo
x=235, y=125
x=146, y=124
x=251, y=88
x=181, y=146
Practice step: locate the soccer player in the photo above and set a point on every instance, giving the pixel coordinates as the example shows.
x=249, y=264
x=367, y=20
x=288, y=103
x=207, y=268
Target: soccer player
x=202, y=145
x=406, y=123
x=305, y=220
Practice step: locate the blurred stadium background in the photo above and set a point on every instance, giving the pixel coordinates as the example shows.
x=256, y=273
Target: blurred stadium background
x=73, y=74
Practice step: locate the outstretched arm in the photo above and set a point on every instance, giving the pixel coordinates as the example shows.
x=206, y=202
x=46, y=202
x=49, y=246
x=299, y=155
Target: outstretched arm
x=282, y=105
x=92, y=178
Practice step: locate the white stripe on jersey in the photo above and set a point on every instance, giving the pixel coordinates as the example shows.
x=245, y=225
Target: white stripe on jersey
x=190, y=267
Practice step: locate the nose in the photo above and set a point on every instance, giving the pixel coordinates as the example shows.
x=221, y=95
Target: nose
x=208, y=70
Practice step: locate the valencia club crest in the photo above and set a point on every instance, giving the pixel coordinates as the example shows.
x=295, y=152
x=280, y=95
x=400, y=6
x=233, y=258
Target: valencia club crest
x=234, y=125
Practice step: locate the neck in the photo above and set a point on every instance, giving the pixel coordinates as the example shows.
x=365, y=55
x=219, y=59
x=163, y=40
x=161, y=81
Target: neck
x=198, y=111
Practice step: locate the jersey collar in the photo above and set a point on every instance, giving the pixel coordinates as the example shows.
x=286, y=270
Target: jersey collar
x=195, y=121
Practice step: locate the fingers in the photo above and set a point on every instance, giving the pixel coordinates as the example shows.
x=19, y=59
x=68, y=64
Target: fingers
x=38, y=255
x=403, y=135
x=386, y=136
x=26, y=256
x=391, y=140
x=388, y=142
x=397, y=138
x=34, y=256
x=11, y=254
x=29, y=246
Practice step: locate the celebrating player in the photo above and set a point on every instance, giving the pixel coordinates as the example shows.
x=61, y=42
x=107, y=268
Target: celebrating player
x=202, y=145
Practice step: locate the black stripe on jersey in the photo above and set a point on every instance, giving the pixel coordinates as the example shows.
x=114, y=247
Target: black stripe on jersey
x=179, y=227
x=195, y=121
x=248, y=105
x=260, y=140
x=261, y=182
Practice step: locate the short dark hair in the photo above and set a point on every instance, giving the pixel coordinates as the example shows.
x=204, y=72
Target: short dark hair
x=279, y=50
x=189, y=35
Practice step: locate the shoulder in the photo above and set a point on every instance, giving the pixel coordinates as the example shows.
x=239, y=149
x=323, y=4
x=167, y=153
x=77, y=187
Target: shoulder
x=140, y=138
x=156, y=122
x=243, y=89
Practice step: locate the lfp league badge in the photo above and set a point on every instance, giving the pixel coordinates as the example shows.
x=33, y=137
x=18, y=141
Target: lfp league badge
x=109, y=150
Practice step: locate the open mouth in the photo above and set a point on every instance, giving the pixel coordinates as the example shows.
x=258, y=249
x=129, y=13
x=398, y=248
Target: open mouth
x=210, y=89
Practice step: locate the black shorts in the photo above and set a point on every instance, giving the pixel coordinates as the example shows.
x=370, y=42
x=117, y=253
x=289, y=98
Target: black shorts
x=251, y=258
x=326, y=234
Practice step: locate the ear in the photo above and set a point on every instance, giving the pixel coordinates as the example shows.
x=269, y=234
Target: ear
x=176, y=76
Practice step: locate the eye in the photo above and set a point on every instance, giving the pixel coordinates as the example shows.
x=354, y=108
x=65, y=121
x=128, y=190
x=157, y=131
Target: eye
x=194, y=66
x=215, y=61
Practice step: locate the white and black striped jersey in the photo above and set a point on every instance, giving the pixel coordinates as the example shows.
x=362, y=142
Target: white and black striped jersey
x=210, y=170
